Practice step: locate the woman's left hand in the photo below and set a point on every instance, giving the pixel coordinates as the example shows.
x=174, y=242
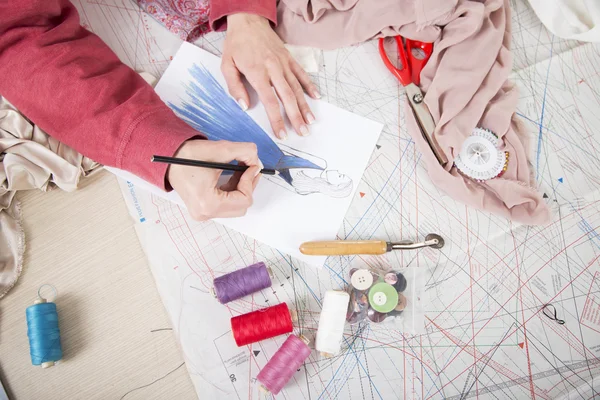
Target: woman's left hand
x=254, y=50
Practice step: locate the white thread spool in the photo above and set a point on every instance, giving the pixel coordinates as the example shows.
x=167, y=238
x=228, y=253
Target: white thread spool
x=331, y=322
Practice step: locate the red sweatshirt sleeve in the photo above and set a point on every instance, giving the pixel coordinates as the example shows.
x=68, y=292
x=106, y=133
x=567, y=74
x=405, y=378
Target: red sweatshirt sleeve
x=220, y=9
x=70, y=84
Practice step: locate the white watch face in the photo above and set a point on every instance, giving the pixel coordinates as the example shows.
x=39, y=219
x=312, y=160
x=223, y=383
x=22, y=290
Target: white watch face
x=480, y=158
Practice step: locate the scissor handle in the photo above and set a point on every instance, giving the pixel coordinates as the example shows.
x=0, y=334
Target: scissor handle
x=418, y=55
x=402, y=73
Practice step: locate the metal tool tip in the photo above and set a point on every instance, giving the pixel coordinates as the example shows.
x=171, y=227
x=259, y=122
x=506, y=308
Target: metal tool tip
x=440, y=241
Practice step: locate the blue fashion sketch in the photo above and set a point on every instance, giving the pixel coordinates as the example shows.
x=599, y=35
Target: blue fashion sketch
x=209, y=109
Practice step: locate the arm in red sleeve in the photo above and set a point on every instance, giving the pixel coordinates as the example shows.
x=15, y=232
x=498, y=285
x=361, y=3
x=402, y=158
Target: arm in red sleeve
x=220, y=9
x=70, y=84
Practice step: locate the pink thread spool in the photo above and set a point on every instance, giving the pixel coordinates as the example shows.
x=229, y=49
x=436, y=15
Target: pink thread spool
x=284, y=363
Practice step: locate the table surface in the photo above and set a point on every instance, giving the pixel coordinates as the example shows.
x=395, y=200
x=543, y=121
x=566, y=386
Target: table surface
x=116, y=336
x=115, y=332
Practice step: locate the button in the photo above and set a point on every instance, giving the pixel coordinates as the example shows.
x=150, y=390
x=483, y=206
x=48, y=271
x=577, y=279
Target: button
x=376, y=316
x=379, y=298
x=383, y=297
x=401, y=284
x=390, y=278
x=361, y=279
x=401, y=302
x=357, y=310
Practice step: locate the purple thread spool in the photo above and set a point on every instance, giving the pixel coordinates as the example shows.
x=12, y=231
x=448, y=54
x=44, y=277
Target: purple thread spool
x=242, y=282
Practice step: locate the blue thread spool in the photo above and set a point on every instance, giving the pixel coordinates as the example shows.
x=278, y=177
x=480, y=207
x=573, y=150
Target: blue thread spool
x=43, y=332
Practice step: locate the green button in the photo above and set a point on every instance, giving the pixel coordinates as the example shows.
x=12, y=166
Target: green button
x=383, y=297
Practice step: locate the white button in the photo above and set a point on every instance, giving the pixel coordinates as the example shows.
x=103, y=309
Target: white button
x=379, y=298
x=361, y=279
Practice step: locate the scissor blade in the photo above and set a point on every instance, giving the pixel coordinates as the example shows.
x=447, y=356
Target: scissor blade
x=425, y=121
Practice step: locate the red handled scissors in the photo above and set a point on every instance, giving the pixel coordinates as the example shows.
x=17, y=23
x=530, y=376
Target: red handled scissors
x=413, y=58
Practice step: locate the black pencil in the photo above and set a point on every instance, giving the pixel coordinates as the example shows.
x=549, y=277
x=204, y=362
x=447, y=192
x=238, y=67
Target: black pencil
x=208, y=164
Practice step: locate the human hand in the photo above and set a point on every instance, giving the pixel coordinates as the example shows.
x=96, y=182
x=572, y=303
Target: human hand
x=197, y=187
x=254, y=50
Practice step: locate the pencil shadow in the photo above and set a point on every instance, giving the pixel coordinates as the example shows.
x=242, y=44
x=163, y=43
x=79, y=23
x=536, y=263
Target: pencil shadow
x=71, y=321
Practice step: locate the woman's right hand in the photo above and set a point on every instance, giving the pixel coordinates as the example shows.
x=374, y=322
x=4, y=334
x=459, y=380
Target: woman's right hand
x=198, y=188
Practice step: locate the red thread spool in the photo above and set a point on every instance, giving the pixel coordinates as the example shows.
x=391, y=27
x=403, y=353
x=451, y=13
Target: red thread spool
x=261, y=324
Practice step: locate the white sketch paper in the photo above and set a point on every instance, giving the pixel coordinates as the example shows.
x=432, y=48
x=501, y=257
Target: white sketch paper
x=309, y=197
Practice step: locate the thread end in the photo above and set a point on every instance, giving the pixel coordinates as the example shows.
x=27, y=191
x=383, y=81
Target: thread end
x=304, y=339
x=270, y=271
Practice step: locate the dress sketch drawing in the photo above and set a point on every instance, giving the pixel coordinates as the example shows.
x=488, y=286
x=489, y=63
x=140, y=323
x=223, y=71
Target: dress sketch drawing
x=209, y=109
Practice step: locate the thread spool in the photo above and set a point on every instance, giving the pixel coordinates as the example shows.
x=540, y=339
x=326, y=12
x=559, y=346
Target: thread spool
x=284, y=363
x=43, y=332
x=240, y=283
x=262, y=324
x=331, y=322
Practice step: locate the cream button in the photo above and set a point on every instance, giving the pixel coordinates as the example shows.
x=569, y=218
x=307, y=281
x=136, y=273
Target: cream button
x=379, y=298
x=361, y=279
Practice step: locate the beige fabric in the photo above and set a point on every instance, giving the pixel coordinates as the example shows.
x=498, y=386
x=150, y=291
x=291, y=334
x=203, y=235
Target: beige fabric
x=29, y=159
x=331, y=24
x=465, y=81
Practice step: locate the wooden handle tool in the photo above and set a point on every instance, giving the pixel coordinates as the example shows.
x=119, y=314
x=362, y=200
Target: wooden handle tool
x=343, y=247
x=373, y=247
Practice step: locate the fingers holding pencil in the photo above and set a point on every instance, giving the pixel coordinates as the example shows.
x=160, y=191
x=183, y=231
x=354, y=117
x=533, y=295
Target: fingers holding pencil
x=199, y=187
